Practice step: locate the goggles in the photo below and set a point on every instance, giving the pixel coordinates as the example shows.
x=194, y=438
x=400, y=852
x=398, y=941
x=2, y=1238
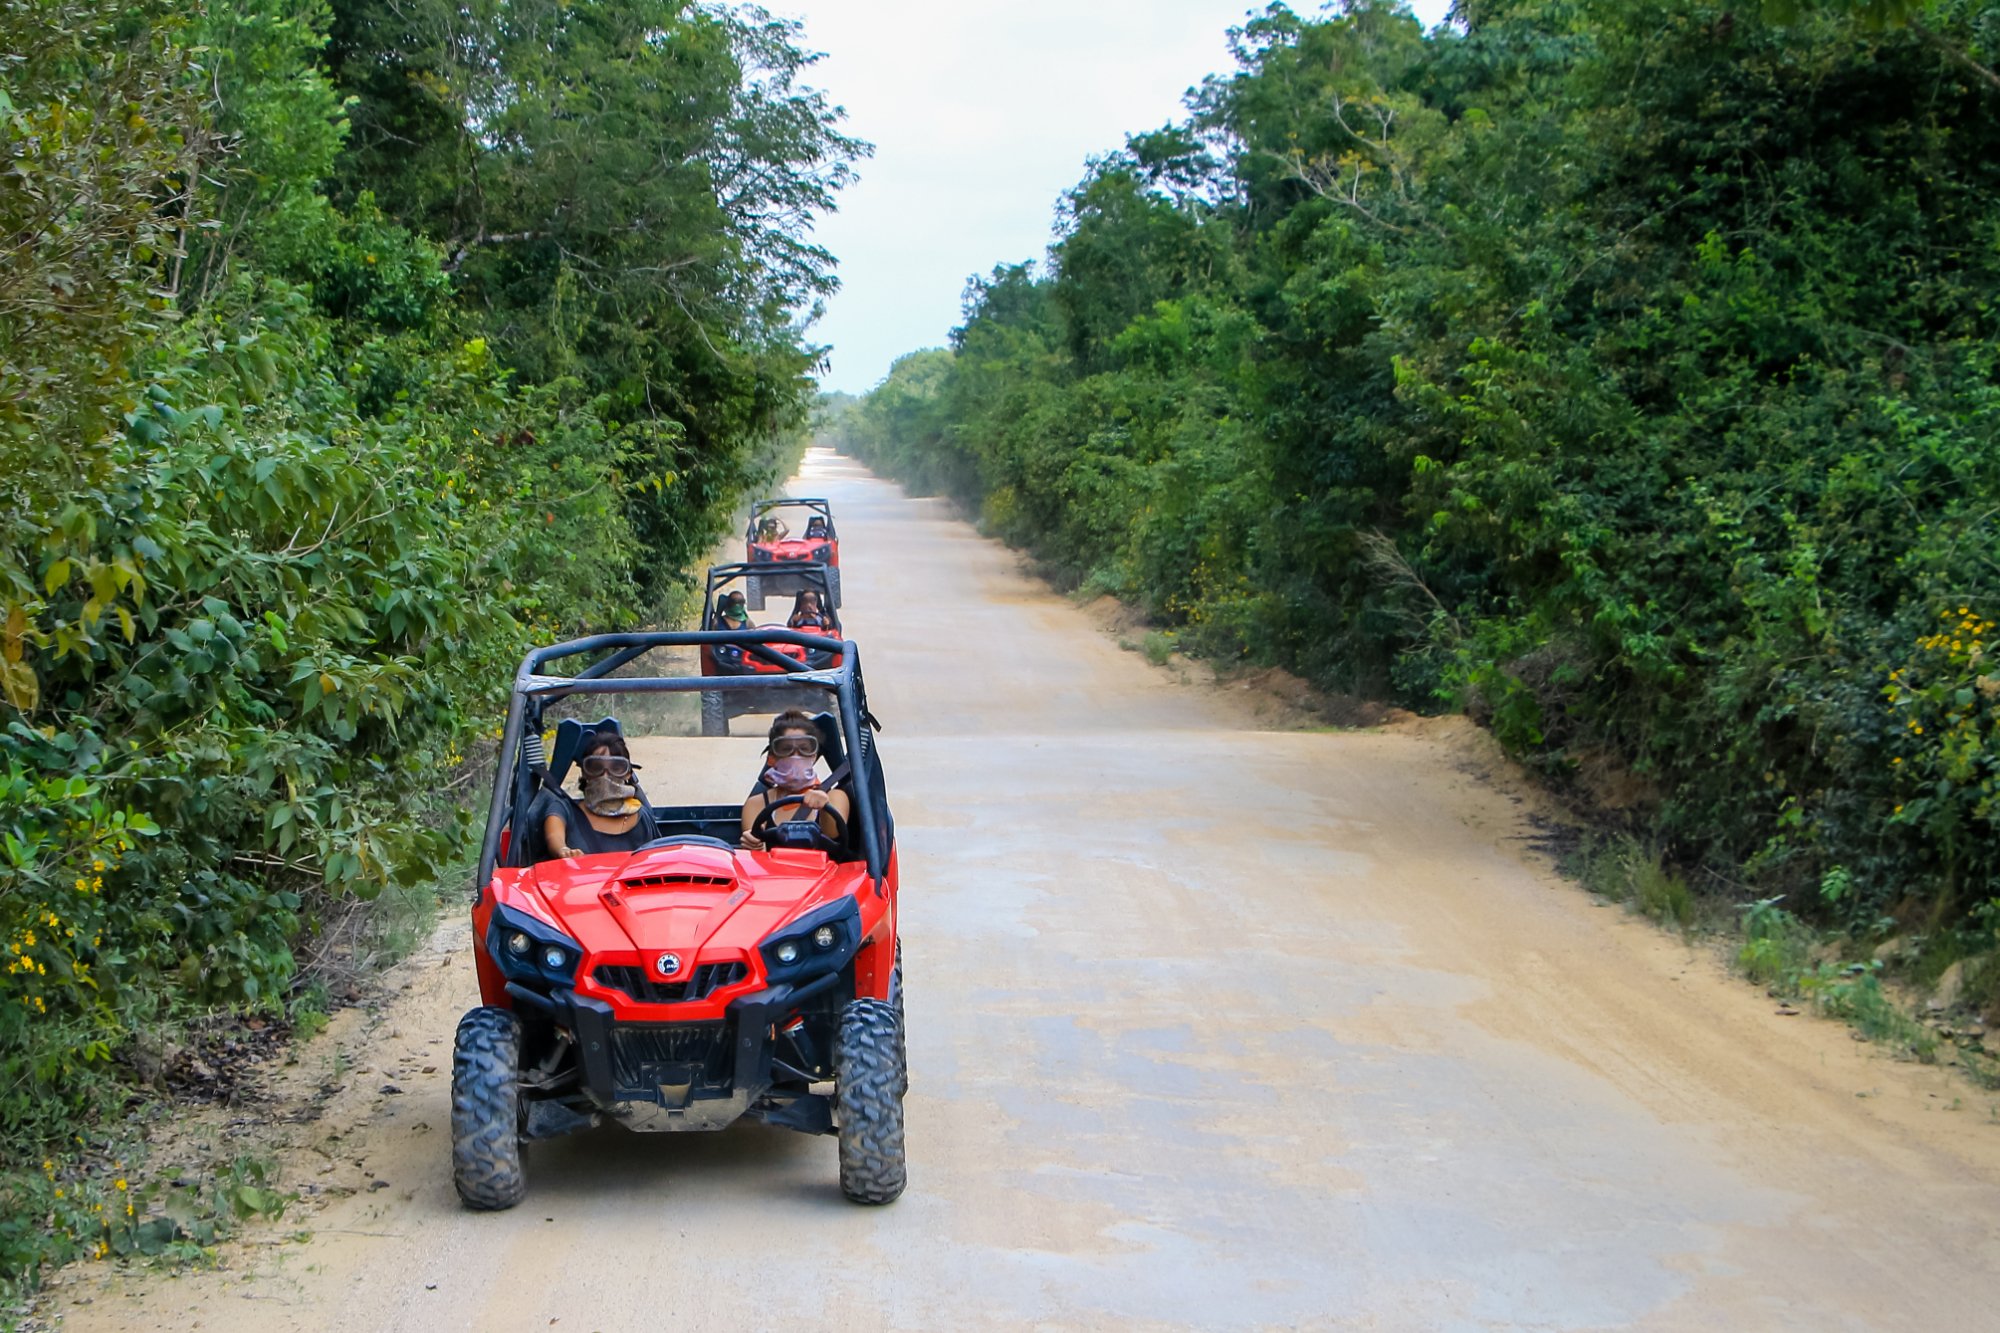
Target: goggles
x=607, y=765
x=788, y=747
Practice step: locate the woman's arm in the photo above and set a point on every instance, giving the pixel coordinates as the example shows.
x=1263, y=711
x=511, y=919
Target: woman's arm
x=751, y=809
x=836, y=800
x=555, y=834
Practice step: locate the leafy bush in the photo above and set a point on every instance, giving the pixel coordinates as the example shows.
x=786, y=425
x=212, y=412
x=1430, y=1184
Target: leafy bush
x=281, y=516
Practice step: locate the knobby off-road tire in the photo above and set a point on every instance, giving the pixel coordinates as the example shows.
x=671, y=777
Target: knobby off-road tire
x=753, y=593
x=486, y=1110
x=869, y=1098
x=833, y=586
x=714, y=717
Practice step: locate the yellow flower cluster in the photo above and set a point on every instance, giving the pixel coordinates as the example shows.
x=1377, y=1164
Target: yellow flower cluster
x=1945, y=701
x=1965, y=641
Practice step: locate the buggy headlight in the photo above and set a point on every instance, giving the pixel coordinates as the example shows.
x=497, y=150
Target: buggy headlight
x=819, y=942
x=530, y=950
x=821, y=553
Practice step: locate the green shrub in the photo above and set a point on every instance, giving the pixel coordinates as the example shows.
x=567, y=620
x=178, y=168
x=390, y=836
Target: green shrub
x=281, y=521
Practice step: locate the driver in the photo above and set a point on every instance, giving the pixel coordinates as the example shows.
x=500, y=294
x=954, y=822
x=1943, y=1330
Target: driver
x=614, y=818
x=806, y=613
x=793, y=749
x=815, y=527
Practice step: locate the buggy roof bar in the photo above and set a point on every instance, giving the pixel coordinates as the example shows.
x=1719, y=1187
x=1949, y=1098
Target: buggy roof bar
x=775, y=501
x=841, y=681
x=788, y=568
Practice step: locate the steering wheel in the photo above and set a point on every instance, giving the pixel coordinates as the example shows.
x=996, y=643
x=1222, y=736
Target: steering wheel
x=765, y=826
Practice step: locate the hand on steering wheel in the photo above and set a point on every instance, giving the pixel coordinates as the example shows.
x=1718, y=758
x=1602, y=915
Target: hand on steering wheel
x=766, y=819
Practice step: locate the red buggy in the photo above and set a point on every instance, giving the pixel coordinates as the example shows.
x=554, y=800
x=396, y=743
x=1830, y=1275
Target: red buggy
x=689, y=983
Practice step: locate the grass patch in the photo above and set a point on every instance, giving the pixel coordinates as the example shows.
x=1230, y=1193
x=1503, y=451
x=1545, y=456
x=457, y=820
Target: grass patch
x=1624, y=870
x=1778, y=950
x=1158, y=646
x=1777, y=953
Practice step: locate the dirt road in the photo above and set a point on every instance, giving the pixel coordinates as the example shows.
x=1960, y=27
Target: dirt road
x=1210, y=1026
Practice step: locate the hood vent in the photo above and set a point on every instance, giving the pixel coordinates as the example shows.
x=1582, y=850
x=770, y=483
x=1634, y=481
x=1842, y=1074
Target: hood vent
x=670, y=881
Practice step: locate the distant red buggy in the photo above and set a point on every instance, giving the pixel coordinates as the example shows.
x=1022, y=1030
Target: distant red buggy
x=789, y=532
x=726, y=606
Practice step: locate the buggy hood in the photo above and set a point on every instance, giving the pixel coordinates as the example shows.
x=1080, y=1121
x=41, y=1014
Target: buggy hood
x=707, y=904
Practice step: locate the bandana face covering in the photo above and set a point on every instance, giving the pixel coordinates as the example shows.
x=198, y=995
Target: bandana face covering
x=608, y=797
x=792, y=774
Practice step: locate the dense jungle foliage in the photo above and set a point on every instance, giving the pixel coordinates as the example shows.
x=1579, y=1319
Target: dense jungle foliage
x=345, y=347
x=1621, y=371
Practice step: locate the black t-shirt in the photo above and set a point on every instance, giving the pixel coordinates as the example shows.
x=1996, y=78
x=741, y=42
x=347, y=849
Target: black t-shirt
x=580, y=832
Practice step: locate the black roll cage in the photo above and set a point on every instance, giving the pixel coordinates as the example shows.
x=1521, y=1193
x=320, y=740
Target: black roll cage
x=843, y=681
x=821, y=507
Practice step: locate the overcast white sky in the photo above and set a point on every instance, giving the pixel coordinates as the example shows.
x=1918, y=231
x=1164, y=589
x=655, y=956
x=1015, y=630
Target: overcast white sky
x=981, y=113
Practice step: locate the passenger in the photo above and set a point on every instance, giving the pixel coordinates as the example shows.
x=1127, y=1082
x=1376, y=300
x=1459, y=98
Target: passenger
x=614, y=818
x=733, y=613
x=772, y=529
x=793, y=750
x=806, y=613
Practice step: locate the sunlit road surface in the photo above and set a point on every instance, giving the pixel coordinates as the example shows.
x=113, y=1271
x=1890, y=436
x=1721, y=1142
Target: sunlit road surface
x=1210, y=1026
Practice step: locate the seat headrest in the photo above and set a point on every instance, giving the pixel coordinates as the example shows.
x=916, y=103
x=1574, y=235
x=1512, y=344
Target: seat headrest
x=829, y=740
x=570, y=737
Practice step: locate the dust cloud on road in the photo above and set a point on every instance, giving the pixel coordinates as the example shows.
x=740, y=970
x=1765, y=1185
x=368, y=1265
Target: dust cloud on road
x=1210, y=1026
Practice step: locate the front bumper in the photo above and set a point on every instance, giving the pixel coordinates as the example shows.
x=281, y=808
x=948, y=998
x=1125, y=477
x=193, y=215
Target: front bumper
x=689, y=1076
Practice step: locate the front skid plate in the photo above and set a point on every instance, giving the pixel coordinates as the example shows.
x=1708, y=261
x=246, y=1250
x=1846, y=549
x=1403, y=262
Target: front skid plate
x=810, y=1113
x=702, y=1113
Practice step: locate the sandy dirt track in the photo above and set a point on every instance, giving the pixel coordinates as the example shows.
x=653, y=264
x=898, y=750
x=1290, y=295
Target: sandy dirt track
x=1210, y=1026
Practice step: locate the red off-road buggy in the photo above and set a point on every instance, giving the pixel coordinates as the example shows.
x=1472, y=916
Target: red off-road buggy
x=790, y=532
x=689, y=983
x=731, y=582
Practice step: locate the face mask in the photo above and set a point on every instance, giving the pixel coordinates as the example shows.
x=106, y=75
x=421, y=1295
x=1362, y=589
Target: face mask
x=792, y=773
x=608, y=797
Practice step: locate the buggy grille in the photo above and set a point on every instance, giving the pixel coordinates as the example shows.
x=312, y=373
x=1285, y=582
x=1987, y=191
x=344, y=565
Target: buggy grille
x=646, y=1055
x=700, y=984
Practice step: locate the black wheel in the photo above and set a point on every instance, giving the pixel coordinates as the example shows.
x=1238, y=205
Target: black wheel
x=486, y=1110
x=753, y=593
x=833, y=586
x=869, y=1098
x=714, y=717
